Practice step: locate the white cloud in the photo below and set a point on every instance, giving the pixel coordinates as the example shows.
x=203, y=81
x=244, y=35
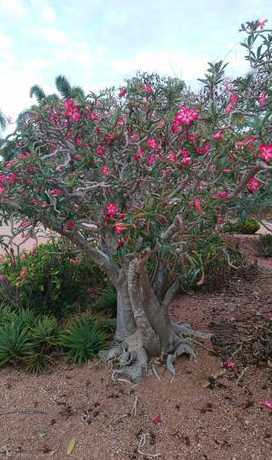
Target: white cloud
x=6, y=48
x=48, y=13
x=54, y=35
x=175, y=63
x=15, y=8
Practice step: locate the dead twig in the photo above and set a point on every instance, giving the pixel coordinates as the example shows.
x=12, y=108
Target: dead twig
x=241, y=375
x=133, y=411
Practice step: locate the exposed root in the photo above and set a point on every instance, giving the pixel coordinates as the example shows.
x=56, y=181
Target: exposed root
x=111, y=354
x=132, y=361
x=185, y=330
x=182, y=348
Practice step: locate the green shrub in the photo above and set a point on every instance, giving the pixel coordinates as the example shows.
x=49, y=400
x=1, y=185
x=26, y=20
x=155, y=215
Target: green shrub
x=14, y=343
x=245, y=227
x=82, y=340
x=52, y=279
x=210, y=263
x=107, y=301
x=26, y=339
x=264, y=246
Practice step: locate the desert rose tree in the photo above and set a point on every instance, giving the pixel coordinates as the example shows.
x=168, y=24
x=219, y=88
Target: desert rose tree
x=131, y=176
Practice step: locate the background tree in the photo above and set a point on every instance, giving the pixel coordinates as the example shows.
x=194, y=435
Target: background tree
x=132, y=177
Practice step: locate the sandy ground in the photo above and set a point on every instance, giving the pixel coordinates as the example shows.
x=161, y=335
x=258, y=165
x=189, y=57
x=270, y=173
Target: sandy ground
x=187, y=419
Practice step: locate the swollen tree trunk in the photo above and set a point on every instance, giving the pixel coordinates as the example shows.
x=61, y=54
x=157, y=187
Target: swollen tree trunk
x=144, y=329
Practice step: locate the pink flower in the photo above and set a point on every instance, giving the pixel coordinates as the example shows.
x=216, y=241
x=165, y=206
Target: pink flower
x=172, y=157
x=229, y=364
x=254, y=185
x=77, y=157
x=186, y=161
x=119, y=228
x=135, y=137
x=75, y=116
x=263, y=98
x=192, y=137
x=262, y=22
x=9, y=164
x=148, y=89
x=120, y=121
x=93, y=116
x=204, y=149
x=100, y=150
x=151, y=160
x=156, y=420
x=112, y=210
x=24, y=155
x=198, y=205
x=185, y=117
x=152, y=143
x=267, y=403
x=109, y=138
x=185, y=153
x=72, y=110
x=78, y=140
x=69, y=225
x=56, y=192
x=12, y=178
x=218, y=135
x=69, y=104
x=105, y=170
x=139, y=154
x=122, y=91
x=266, y=152
x=2, y=189
x=233, y=101
x=222, y=195
x=227, y=170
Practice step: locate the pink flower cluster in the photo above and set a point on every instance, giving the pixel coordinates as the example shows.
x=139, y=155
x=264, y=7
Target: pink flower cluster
x=105, y=170
x=266, y=152
x=7, y=179
x=172, y=157
x=233, y=101
x=204, y=149
x=263, y=98
x=112, y=210
x=254, y=185
x=184, y=117
x=139, y=154
x=198, y=205
x=148, y=89
x=56, y=192
x=72, y=110
x=100, y=150
x=229, y=364
x=218, y=135
x=152, y=143
x=122, y=92
x=261, y=23
x=222, y=195
x=186, y=159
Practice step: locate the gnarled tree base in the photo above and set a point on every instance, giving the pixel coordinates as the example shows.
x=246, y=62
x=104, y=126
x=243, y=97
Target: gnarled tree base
x=132, y=360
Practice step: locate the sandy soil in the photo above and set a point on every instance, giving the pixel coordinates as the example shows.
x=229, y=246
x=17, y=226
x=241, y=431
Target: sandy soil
x=192, y=418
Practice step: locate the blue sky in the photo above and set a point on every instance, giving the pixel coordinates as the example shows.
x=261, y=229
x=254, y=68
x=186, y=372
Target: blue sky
x=98, y=43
